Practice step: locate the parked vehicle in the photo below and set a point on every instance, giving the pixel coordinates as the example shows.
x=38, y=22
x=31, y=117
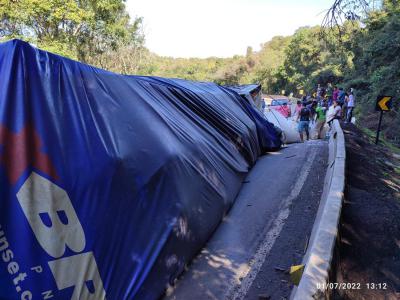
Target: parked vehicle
x=282, y=106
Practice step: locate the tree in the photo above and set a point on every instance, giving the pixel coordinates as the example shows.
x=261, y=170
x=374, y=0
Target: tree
x=348, y=10
x=79, y=29
x=376, y=68
x=269, y=60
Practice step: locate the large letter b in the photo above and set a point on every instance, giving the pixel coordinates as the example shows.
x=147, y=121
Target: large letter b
x=51, y=215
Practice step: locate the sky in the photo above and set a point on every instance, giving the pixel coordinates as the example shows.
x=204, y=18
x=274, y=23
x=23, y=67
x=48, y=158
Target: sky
x=222, y=28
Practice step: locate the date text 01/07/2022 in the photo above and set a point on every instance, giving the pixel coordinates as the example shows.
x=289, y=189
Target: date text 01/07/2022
x=352, y=286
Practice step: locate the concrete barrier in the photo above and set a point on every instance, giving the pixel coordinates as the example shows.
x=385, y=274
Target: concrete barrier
x=318, y=261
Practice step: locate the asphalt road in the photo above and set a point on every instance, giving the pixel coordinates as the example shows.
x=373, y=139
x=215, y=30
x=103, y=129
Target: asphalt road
x=265, y=232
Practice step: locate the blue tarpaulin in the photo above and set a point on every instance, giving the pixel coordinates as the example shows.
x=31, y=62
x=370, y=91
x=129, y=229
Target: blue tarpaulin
x=110, y=184
x=246, y=89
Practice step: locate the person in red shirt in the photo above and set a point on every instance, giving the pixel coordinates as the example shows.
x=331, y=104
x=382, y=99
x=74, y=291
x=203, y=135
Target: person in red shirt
x=284, y=110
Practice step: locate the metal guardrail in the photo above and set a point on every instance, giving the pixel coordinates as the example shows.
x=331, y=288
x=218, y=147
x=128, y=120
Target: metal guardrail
x=314, y=283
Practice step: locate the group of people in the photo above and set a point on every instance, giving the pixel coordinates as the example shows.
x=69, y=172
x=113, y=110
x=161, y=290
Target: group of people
x=325, y=106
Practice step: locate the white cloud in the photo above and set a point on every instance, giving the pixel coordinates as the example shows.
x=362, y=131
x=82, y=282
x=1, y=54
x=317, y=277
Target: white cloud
x=220, y=27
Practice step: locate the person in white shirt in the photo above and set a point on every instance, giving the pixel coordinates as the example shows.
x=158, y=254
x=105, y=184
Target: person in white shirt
x=350, y=107
x=334, y=112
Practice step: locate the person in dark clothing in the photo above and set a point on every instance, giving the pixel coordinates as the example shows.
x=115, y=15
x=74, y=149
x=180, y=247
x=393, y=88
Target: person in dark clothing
x=341, y=97
x=304, y=121
x=312, y=106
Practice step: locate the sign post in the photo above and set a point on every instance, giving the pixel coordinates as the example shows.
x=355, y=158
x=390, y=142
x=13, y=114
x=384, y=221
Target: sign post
x=383, y=103
x=379, y=128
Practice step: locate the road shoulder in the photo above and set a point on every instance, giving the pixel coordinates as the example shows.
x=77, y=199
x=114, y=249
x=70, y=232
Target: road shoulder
x=370, y=227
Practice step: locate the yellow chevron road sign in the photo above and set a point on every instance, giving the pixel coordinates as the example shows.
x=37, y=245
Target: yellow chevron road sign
x=383, y=103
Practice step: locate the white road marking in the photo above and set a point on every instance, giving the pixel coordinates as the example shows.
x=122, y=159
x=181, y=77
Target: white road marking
x=237, y=292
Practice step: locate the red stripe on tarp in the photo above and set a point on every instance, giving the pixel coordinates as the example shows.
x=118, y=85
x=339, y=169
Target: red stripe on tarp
x=22, y=150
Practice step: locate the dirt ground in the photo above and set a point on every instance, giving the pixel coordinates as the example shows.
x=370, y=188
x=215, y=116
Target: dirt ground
x=370, y=229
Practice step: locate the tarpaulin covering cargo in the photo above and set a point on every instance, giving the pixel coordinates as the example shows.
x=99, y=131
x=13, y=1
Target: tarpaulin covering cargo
x=110, y=184
x=250, y=92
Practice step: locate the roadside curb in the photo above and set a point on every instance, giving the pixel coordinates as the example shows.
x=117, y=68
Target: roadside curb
x=320, y=255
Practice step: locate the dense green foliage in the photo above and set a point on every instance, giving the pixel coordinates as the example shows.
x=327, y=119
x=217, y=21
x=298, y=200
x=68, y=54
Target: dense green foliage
x=376, y=68
x=79, y=29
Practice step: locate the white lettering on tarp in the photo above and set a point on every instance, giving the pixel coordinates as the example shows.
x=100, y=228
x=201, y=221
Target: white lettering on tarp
x=13, y=267
x=3, y=241
x=87, y=282
x=56, y=226
x=20, y=277
x=37, y=269
x=47, y=294
x=40, y=198
x=7, y=256
x=27, y=295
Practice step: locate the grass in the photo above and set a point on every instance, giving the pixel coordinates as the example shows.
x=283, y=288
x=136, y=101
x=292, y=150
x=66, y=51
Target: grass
x=397, y=170
x=382, y=141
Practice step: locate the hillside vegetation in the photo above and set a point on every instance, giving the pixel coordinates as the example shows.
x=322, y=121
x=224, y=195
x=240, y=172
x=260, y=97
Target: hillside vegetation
x=363, y=56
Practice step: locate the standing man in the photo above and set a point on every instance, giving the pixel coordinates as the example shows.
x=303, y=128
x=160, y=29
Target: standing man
x=341, y=97
x=329, y=93
x=304, y=122
x=321, y=117
x=311, y=107
x=350, y=107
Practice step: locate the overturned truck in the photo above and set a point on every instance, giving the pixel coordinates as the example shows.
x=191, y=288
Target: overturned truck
x=110, y=184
